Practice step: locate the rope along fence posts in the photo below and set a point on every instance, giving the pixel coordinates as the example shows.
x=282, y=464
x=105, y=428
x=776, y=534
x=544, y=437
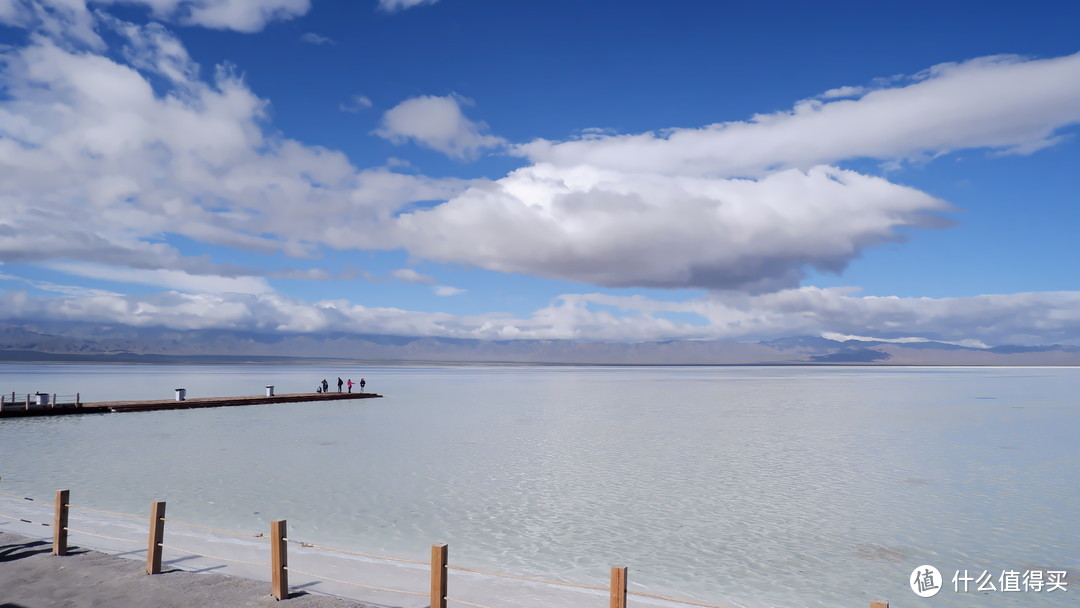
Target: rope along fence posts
x=347, y=552
x=69, y=529
x=77, y=507
x=212, y=529
x=307, y=545
x=24, y=520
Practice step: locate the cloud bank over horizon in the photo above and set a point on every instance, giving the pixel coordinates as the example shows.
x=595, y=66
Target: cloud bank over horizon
x=112, y=153
x=1023, y=319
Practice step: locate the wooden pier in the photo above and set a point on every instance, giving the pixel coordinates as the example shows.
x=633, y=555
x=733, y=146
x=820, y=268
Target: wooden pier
x=10, y=409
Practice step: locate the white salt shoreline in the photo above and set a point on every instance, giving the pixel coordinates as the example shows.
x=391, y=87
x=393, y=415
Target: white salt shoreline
x=114, y=570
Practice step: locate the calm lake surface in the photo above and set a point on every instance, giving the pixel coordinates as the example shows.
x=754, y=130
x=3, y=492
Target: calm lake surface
x=740, y=486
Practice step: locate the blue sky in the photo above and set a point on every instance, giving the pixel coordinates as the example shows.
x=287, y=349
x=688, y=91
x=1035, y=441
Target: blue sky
x=591, y=170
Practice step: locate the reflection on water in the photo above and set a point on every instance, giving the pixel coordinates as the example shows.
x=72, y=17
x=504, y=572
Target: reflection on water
x=752, y=486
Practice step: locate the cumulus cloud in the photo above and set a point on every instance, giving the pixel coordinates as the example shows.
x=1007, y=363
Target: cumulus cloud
x=675, y=209
x=437, y=123
x=1026, y=318
x=106, y=154
x=620, y=229
x=98, y=165
x=393, y=6
x=1001, y=102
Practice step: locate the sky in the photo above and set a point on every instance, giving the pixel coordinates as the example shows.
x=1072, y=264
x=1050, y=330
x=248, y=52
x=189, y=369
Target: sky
x=593, y=170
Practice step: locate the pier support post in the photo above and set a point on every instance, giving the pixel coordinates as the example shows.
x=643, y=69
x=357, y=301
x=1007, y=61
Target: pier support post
x=60, y=523
x=157, y=536
x=279, y=561
x=77, y=404
x=439, y=555
x=618, y=587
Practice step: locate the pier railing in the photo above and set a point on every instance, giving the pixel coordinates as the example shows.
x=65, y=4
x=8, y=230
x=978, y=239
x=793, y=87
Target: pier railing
x=38, y=401
x=275, y=548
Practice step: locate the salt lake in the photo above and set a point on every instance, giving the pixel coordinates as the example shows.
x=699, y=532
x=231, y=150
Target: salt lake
x=763, y=487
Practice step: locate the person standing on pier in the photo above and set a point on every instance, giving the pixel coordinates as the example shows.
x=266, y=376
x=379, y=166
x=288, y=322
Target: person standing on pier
x=362, y=383
x=349, y=384
x=339, y=383
x=325, y=386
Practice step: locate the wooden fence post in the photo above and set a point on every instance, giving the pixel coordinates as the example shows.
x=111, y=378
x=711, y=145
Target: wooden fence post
x=52, y=404
x=77, y=400
x=60, y=522
x=279, y=561
x=439, y=555
x=880, y=604
x=618, y=587
x=157, y=536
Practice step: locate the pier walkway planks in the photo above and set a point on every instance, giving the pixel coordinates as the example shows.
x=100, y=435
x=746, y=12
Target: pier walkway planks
x=13, y=410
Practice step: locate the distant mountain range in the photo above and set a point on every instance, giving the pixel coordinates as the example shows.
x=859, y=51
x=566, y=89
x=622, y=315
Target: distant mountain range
x=91, y=342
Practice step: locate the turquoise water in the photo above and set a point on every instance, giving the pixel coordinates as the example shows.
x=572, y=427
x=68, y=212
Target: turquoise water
x=741, y=486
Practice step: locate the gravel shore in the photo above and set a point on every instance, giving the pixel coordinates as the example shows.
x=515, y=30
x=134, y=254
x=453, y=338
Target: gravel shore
x=31, y=577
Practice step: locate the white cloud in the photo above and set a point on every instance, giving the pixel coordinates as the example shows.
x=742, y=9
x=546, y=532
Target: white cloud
x=392, y=6
x=313, y=38
x=70, y=290
x=408, y=275
x=664, y=210
x=1002, y=102
x=620, y=229
x=1026, y=318
x=905, y=340
x=74, y=20
x=437, y=123
x=238, y=15
x=356, y=104
x=842, y=92
x=99, y=165
x=169, y=279
x=446, y=290
x=67, y=21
